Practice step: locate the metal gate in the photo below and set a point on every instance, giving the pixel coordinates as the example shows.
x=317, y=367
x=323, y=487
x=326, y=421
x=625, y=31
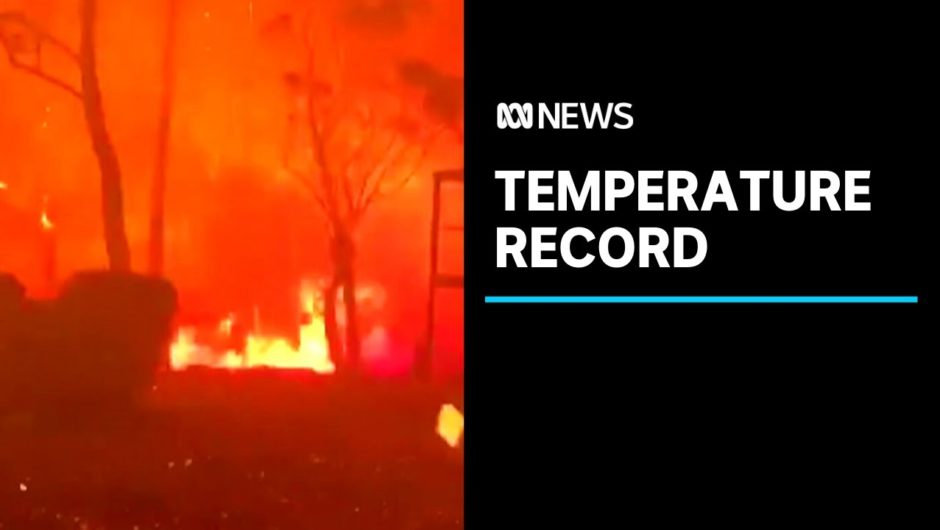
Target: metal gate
x=438, y=279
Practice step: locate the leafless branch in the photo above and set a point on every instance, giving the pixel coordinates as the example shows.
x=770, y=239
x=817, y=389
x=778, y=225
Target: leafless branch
x=41, y=36
x=338, y=110
x=373, y=171
x=378, y=192
x=316, y=135
x=308, y=183
x=347, y=191
x=306, y=33
x=385, y=188
x=373, y=194
x=38, y=73
x=306, y=178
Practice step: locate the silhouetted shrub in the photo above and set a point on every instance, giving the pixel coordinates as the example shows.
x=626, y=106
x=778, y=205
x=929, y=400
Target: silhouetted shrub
x=99, y=343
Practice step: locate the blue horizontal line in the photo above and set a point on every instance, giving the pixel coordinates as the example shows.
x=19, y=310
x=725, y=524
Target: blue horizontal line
x=701, y=299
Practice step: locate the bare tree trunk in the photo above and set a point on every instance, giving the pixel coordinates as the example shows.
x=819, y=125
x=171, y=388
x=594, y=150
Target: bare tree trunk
x=112, y=198
x=353, y=341
x=330, y=325
x=344, y=277
x=158, y=191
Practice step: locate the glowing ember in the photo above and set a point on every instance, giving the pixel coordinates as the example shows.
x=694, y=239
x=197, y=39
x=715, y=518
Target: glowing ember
x=450, y=425
x=225, y=327
x=44, y=220
x=3, y=185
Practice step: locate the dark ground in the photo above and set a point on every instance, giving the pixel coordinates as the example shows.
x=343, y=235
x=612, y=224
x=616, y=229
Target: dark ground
x=252, y=451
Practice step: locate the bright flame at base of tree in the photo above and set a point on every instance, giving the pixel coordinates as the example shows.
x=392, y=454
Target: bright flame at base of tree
x=450, y=425
x=312, y=352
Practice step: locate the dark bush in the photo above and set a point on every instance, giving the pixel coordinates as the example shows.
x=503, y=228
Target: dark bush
x=99, y=343
x=12, y=299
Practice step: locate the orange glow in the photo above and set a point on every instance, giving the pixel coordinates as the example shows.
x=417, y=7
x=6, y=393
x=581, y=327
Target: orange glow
x=240, y=224
x=450, y=425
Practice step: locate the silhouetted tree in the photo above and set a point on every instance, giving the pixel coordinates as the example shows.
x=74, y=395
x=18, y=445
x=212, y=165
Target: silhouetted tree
x=158, y=190
x=443, y=93
x=354, y=144
x=25, y=42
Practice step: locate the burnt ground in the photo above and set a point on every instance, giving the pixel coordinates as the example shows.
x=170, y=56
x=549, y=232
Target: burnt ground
x=252, y=451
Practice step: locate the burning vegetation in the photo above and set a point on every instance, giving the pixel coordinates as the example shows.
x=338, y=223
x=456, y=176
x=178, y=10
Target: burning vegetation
x=239, y=149
x=206, y=206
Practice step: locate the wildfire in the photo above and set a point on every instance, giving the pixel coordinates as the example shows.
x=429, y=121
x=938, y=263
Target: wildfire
x=450, y=425
x=312, y=352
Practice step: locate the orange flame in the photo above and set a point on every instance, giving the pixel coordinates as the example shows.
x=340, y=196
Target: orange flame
x=450, y=425
x=312, y=353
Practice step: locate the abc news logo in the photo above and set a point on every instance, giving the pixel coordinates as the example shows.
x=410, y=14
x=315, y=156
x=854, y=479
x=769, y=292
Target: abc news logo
x=564, y=116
